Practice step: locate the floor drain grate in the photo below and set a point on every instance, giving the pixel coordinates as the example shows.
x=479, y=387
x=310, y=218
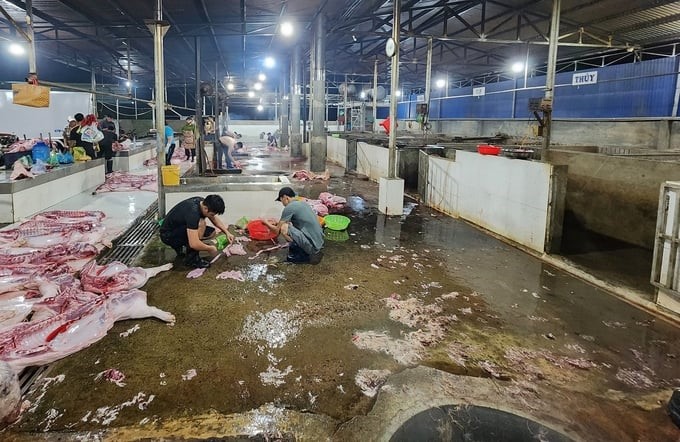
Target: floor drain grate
x=28, y=376
x=130, y=244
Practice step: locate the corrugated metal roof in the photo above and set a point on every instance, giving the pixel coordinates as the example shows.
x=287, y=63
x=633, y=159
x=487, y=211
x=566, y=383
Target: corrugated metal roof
x=237, y=34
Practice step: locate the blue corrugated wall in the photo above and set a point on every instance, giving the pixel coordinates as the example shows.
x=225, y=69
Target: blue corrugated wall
x=643, y=89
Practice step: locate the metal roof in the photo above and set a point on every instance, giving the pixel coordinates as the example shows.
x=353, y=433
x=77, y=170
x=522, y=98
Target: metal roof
x=471, y=38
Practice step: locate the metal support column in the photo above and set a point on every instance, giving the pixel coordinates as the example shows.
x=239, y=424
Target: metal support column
x=305, y=114
x=93, y=86
x=295, y=136
x=32, y=67
x=428, y=73
x=158, y=28
x=394, y=85
x=285, y=139
x=344, y=106
x=318, y=146
x=200, y=103
x=375, y=95
x=129, y=68
x=547, y=104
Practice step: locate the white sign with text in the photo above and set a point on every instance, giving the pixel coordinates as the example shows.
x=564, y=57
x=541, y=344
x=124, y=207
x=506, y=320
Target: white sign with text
x=478, y=91
x=584, y=78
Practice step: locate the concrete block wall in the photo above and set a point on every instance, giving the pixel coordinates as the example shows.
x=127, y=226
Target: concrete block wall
x=644, y=134
x=615, y=196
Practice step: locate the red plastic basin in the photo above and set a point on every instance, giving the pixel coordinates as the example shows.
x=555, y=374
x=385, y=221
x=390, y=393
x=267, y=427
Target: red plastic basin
x=259, y=232
x=488, y=149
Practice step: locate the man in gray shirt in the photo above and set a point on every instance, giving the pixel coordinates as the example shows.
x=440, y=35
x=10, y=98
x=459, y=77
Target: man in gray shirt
x=300, y=226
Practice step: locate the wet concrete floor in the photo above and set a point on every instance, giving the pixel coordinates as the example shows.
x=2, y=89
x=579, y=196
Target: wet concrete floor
x=425, y=304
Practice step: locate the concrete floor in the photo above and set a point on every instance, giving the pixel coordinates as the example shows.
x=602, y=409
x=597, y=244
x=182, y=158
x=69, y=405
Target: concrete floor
x=421, y=310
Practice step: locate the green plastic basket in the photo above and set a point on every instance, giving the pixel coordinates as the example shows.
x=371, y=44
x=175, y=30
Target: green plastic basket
x=336, y=235
x=336, y=222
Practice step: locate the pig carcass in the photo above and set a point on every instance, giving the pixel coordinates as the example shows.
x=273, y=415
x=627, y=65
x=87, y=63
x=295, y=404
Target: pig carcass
x=116, y=276
x=43, y=342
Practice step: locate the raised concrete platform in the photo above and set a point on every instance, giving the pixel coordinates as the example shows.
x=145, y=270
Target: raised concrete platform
x=134, y=158
x=25, y=197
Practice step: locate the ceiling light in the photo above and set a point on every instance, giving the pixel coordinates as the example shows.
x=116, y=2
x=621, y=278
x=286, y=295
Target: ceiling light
x=354, y=38
x=440, y=83
x=262, y=77
x=269, y=62
x=16, y=49
x=287, y=29
x=397, y=93
x=128, y=83
x=230, y=86
x=518, y=67
x=260, y=108
x=251, y=94
x=257, y=86
x=362, y=95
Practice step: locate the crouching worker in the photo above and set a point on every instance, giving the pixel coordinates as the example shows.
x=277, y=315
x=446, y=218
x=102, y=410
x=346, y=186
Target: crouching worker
x=300, y=226
x=184, y=226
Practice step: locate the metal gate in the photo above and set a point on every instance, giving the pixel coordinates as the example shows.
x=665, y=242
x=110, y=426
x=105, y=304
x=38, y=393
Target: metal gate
x=666, y=262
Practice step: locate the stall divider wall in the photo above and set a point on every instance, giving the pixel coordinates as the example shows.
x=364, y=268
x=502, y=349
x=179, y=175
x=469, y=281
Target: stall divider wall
x=135, y=157
x=372, y=161
x=337, y=150
x=516, y=199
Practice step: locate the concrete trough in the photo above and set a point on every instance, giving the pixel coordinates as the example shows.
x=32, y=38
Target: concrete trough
x=252, y=196
x=134, y=158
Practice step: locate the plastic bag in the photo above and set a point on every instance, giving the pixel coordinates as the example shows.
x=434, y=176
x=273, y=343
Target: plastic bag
x=39, y=167
x=90, y=134
x=242, y=222
x=65, y=158
x=53, y=160
x=79, y=154
x=26, y=161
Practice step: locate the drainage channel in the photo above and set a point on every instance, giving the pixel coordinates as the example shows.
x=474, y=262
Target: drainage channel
x=130, y=244
x=126, y=248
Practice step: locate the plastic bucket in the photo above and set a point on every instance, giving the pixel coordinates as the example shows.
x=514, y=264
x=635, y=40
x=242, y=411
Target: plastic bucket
x=170, y=175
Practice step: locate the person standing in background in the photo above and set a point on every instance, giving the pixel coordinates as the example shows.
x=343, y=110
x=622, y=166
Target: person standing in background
x=169, y=143
x=108, y=119
x=225, y=146
x=76, y=133
x=106, y=145
x=66, y=134
x=190, y=138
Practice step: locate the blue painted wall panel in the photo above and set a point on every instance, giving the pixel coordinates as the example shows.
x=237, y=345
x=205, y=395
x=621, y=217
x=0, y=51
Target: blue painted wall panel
x=643, y=89
x=435, y=109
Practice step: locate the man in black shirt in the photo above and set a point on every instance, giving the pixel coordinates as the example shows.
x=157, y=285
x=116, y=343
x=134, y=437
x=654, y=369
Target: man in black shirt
x=184, y=226
x=106, y=145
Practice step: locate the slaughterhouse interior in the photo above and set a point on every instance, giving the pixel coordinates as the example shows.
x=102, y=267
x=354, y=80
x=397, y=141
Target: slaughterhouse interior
x=351, y=220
